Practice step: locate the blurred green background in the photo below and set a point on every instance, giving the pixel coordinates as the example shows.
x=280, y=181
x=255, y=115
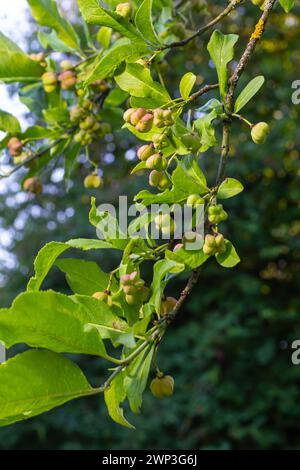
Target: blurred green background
x=229, y=350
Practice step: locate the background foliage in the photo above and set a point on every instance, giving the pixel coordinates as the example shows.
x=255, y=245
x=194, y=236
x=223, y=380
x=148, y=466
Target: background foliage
x=229, y=349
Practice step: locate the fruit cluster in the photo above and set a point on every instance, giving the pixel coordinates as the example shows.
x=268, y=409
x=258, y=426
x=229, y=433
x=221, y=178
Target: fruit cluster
x=143, y=119
x=216, y=214
x=134, y=288
x=214, y=244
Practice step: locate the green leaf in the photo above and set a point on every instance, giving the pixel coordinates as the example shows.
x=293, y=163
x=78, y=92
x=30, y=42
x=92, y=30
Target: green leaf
x=206, y=130
x=93, y=13
x=143, y=21
x=248, y=92
x=45, y=12
x=108, y=226
x=162, y=269
x=137, y=81
x=83, y=277
x=47, y=256
x=192, y=259
x=228, y=188
x=88, y=244
x=136, y=379
x=37, y=381
x=287, y=5
x=8, y=123
x=186, y=179
x=114, y=395
x=230, y=258
x=15, y=65
x=44, y=261
x=106, y=65
x=52, y=41
x=103, y=37
x=53, y=321
x=221, y=50
x=186, y=84
x=108, y=324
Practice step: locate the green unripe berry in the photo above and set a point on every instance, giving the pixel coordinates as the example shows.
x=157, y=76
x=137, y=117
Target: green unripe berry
x=162, y=386
x=220, y=243
x=156, y=162
x=87, y=123
x=209, y=247
x=259, y=132
x=160, y=140
x=92, y=181
x=216, y=214
x=159, y=179
x=145, y=152
x=49, y=81
x=66, y=65
x=194, y=200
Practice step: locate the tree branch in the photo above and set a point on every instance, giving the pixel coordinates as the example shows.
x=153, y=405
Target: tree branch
x=255, y=37
x=232, y=5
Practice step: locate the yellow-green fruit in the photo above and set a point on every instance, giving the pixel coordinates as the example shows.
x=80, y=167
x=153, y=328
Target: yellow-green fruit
x=145, y=152
x=49, y=81
x=92, y=181
x=136, y=115
x=124, y=9
x=194, y=200
x=156, y=162
x=104, y=297
x=128, y=113
x=260, y=132
x=39, y=57
x=87, y=123
x=162, y=386
x=33, y=185
x=66, y=65
x=216, y=214
x=168, y=385
x=160, y=140
x=15, y=146
x=167, y=306
x=220, y=243
x=209, y=247
x=162, y=118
